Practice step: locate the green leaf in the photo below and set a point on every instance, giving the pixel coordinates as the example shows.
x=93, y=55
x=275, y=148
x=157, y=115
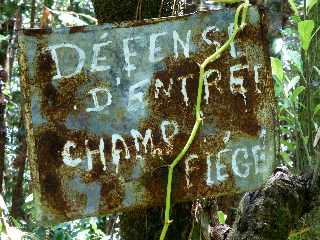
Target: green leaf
x=295, y=58
x=296, y=18
x=3, y=205
x=316, y=138
x=296, y=93
x=195, y=233
x=305, y=29
x=316, y=110
x=288, y=119
x=311, y=4
x=291, y=146
x=317, y=70
x=225, y=1
x=286, y=159
x=93, y=224
x=294, y=7
x=277, y=68
x=4, y=38
x=221, y=217
x=16, y=223
x=29, y=198
x=59, y=236
x=291, y=84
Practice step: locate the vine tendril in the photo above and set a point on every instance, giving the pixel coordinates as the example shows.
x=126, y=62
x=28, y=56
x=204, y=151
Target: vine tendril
x=236, y=29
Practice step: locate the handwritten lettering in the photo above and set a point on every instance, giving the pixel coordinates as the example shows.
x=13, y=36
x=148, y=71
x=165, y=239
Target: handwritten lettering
x=136, y=98
x=66, y=155
x=95, y=67
x=236, y=83
x=154, y=49
x=147, y=138
x=128, y=54
x=164, y=125
x=116, y=152
x=54, y=54
x=185, y=45
x=215, y=82
x=242, y=161
x=97, y=107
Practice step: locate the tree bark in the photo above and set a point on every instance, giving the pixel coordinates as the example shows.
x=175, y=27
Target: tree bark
x=2, y=127
x=269, y=213
x=272, y=211
x=33, y=13
x=17, y=193
x=5, y=75
x=13, y=44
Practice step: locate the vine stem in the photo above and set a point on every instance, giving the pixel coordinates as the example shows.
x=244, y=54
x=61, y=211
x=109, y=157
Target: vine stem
x=236, y=28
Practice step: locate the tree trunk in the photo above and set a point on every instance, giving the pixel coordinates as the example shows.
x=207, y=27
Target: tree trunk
x=6, y=63
x=17, y=193
x=269, y=213
x=2, y=128
x=33, y=13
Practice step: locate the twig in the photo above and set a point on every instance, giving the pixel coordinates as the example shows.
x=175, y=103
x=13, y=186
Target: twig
x=174, y=7
x=161, y=7
x=138, y=10
x=33, y=13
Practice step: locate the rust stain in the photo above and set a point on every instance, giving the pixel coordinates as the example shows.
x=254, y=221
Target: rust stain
x=49, y=144
x=77, y=29
x=36, y=32
x=58, y=102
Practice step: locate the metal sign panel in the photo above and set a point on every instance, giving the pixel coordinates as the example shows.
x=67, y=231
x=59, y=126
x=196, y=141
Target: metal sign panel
x=107, y=108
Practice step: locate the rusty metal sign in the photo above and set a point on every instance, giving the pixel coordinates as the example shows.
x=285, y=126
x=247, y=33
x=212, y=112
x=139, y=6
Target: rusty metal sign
x=107, y=108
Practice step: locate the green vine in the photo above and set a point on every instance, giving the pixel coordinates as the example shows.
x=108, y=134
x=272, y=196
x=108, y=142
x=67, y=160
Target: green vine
x=237, y=28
